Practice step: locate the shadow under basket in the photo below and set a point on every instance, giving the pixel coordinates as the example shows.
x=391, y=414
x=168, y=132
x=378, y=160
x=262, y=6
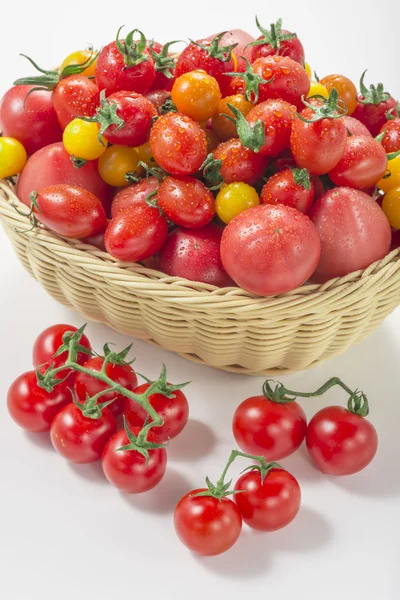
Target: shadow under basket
x=226, y=328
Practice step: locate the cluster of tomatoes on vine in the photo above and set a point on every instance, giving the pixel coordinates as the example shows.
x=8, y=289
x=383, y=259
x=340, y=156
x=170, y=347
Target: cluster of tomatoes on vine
x=220, y=164
x=95, y=410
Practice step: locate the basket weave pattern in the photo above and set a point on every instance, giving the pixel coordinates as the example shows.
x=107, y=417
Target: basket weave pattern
x=226, y=328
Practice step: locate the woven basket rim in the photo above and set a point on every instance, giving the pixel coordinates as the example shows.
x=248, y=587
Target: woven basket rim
x=185, y=289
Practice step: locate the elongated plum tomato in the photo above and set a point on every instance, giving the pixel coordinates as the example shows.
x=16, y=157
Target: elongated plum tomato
x=270, y=250
x=194, y=254
x=133, y=195
x=277, y=117
x=53, y=165
x=75, y=96
x=127, y=470
x=239, y=163
x=391, y=139
x=70, y=211
x=186, y=201
x=265, y=428
x=173, y=411
x=196, y=94
x=292, y=187
x=362, y=165
x=13, y=157
x=221, y=125
x=289, y=80
x=31, y=407
x=31, y=119
x=355, y=127
x=178, y=144
x=49, y=341
x=270, y=504
x=345, y=87
x=136, y=234
x=354, y=232
x=122, y=374
x=207, y=525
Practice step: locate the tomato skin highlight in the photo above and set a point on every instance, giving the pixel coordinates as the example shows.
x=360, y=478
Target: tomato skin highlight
x=355, y=127
x=339, y=442
x=75, y=96
x=290, y=81
x=205, y=525
x=186, y=201
x=127, y=469
x=48, y=342
x=281, y=188
x=239, y=164
x=278, y=117
x=265, y=428
x=362, y=165
x=133, y=195
x=113, y=75
x=268, y=505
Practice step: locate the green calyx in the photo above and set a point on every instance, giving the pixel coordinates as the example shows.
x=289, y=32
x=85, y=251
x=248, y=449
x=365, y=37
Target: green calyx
x=117, y=358
x=211, y=169
x=78, y=162
x=223, y=53
x=90, y=408
x=301, y=177
x=167, y=107
x=252, y=82
x=251, y=136
x=393, y=155
x=105, y=116
x=393, y=113
x=139, y=443
x=331, y=108
x=373, y=94
x=273, y=36
x=166, y=389
x=133, y=52
x=163, y=62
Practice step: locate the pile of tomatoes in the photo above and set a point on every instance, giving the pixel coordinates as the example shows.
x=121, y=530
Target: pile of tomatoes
x=225, y=164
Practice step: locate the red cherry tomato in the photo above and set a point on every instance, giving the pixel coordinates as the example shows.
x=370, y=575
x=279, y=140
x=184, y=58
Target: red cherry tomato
x=173, y=411
x=206, y=525
x=49, y=341
x=290, y=187
x=75, y=96
x=242, y=50
x=340, y=442
x=270, y=250
x=136, y=234
x=277, y=117
x=178, y=144
x=81, y=439
x=133, y=195
x=127, y=469
x=290, y=81
x=157, y=97
x=391, y=139
x=362, y=165
x=273, y=42
x=266, y=428
x=31, y=119
x=355, y=127
x=270, y=504
x=186, y=201
x=161, y=82
x=373, y=114
x=137, y=114
x=31, y=407
x=239, y=163
x=194, y=254
x=123, y=374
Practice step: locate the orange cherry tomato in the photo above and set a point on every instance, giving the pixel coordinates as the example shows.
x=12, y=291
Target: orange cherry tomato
x=346, y=89
x=196, y=94
x=222, y=126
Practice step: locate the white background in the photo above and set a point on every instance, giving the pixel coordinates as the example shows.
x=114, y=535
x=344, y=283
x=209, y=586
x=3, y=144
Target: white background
x=64, y=532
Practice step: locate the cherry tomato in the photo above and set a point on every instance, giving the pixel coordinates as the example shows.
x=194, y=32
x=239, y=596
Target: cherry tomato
x=31, y=407
x=222, y=126
x=355, y=127
x=391, y=207
x=127, y=470
x=81, y=140
x=12, y=157
x=393, y=181
x=81, y=439
x=373, y=104
x=115, y=162
x=290, y=187
x=340, y=442
x=345, y=87
x=212, y=140
x=48, y=342
x=194, y=254
x=157, y=98
x=162, y=81
x=354, y=232
x=133, y=195
x=173, y=411
x=196, y=94
x=241, y=51
x=391, y=139
x=289, y=80
x=70, y=211
x=362, y=165
x=265, y=428
x=270, y=504
x=122, y=374
x=186, y=201
x=270, y=250
x=234, y=198
x=277, y=117
x=239, y=163
x=136, y=234
x=31, y=119
x=78, y=58
x=75, y=96
x=178, y=144
x=316, y=88
x=206, y=525
x=145, y=154
x=273, y=41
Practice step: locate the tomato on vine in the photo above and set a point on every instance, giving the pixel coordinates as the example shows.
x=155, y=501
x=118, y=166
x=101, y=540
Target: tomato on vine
x=49, y=342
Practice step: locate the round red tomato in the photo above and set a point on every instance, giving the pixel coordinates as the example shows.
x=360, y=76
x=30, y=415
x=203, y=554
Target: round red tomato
x=207, y=525
x=157, y=97
x=133, y=195
x=362, y=165
x=178, y=144
x=354, y=232
x=136, y=234
x=277, y=41
x=194, y=254
x=49, y=341
x=241, y=40
x=186, y=201
x=289, y=80
x=31, y=119
x=292, y=187
x=270, y=250
x=277, y=117
x=75, y=96
x=373, y=104
x=239, y=163
x=70, y=211
x=80, y=439
x=355, y=127
x=265, y=428
x=270, y=504
x=31, y=407
x=340, y=442
x=391, y=139
x=127, y=470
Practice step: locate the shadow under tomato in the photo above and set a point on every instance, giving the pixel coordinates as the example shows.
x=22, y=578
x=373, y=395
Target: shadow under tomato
x=300, y=465
x=307, y=533
x=195, y=441
x=41, y=440
x=92, y=472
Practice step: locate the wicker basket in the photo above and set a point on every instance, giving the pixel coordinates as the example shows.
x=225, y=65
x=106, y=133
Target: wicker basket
x=226, y=328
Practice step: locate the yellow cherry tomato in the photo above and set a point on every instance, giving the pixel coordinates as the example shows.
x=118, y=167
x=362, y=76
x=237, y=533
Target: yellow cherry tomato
x=81, y=57
x=196, y=94
x=12, y=157
x=81, y=139
x=391, y=207
x=233, y=199
x=308, y=70
x=116, y=162
x=393, y=181
x=222, y=126
x=317, y=88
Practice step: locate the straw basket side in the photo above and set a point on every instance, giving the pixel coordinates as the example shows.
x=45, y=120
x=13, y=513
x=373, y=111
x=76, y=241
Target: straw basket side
x=226, y=328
